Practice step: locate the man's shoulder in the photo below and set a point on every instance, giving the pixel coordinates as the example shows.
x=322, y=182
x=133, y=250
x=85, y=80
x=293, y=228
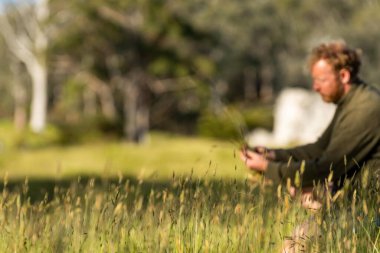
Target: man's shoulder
x=367, y=96
x=365, y=104
x=374, y=91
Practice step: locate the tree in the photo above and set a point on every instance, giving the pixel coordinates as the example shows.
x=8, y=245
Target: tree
x=140, y=51
x=22, y=25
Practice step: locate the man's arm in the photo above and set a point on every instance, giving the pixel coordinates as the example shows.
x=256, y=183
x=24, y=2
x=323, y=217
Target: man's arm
x=308, y=151
x=299, y=153
x=352, y=139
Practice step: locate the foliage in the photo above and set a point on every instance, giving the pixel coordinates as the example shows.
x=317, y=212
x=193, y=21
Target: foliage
x=219, y=126
x=233, y=124
x=87, y=130
x=259, y=117
x=177, y=54
x=11, y=138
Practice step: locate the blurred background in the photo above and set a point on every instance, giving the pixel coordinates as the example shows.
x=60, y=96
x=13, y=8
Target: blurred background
x=149, y=88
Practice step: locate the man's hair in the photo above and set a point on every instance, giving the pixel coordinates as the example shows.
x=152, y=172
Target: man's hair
x=339, y=55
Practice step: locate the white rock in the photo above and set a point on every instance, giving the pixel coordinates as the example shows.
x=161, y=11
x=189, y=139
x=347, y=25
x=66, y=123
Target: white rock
x=300, y=116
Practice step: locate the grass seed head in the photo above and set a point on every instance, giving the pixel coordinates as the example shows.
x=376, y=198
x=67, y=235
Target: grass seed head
x=118, y=209
x=237, y=209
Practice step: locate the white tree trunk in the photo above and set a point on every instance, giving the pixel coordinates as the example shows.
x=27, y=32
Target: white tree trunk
x=29, y=45
x=38, y=109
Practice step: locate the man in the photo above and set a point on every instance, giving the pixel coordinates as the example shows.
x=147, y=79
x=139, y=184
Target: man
x=350, y=142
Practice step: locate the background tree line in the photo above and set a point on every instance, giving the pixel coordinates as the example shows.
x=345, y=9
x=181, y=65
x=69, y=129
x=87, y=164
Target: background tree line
x=130, y=66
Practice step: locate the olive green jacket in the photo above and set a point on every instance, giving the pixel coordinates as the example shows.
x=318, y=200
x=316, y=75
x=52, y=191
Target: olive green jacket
x=351, y=141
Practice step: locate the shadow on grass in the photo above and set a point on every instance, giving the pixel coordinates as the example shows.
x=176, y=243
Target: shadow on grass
x=37, y=190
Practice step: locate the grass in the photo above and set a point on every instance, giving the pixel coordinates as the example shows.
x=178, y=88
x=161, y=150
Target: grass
x=171, y=194
x=178, y=215
x=158, y=158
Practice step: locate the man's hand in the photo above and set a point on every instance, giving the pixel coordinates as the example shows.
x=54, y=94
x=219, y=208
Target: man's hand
x=254, y=160
x=264, y=151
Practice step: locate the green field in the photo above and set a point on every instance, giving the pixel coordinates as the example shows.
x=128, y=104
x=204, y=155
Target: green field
x=170, y=194
x=161, y=155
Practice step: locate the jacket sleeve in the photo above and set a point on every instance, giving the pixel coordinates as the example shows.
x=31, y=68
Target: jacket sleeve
x=308, y=151
x=353, y=136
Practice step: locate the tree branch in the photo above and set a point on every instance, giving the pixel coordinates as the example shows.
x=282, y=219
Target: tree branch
x=20, y=46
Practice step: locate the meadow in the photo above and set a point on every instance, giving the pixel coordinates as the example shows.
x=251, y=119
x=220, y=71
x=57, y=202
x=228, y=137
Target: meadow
x=170, y=194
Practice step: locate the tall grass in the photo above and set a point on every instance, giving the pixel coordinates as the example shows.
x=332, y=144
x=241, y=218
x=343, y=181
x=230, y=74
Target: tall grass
x=183, y=214
x=212, y=209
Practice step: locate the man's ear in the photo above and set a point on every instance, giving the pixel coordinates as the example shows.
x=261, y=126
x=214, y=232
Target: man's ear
x=345, y=76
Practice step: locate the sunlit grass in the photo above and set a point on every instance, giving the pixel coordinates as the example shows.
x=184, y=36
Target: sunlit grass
x=158, y=157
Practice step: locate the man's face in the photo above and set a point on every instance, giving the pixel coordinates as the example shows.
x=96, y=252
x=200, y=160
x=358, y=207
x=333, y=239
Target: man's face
x=326, y=82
